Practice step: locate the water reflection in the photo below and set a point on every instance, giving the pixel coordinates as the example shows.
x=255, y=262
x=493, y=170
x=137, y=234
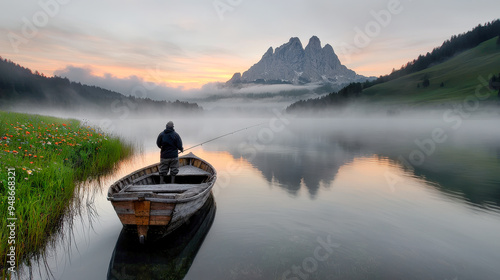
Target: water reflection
x=315, y=180
x=300, y=161
x=310, y=157
x=167, y=258
x=78, y=220
x=293, y=170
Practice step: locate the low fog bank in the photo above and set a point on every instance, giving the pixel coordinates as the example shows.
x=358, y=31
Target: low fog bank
x=248, y=108
x=447, y=112
x=154, y=89
x=276, y=130
x=355, y=122
x=353, y=117
x=489, y=108
x=440, y=146
x=453, y=150
x=257, y=99
x=296, y=151
x=280, y=128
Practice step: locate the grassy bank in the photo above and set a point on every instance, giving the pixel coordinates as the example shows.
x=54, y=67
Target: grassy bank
x=48, y=157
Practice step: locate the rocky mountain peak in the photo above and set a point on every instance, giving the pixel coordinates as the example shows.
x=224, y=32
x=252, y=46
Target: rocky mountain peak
x=328, y=48
x=314, y=44
x=291, y=63
x=295, y=40
x=235, y=79
x=269, y=52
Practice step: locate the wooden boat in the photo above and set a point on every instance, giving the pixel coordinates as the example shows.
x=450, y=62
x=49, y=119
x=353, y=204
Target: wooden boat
x=170, y=257
x=141, y=202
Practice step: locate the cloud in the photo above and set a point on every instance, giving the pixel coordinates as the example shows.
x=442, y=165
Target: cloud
x=132, y=85
x=140, y=87
x=193, y=45
x=261, y=89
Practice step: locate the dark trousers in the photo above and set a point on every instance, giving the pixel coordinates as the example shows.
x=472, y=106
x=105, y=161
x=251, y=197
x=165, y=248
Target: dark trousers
x=167, y=164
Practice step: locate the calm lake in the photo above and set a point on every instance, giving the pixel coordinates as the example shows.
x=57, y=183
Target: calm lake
x=350, y=198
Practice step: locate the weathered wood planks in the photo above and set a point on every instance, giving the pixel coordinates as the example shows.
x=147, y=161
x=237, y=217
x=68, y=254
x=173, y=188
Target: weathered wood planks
x=144, y=212
x=165, y=188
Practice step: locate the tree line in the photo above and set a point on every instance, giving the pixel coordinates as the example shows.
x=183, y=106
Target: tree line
x=451, y=47
x=343, y=96
x=20, y=85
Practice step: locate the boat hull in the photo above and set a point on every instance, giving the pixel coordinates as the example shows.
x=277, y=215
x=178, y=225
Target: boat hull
x=170, y=256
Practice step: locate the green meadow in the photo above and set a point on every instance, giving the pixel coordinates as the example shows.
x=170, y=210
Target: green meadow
x=42, y=160
x=450, y=82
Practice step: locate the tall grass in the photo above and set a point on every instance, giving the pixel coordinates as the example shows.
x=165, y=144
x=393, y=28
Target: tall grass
x=50, y=156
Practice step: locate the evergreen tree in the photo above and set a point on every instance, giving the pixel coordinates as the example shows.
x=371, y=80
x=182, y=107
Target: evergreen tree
x=494, y=83
x=425, y=81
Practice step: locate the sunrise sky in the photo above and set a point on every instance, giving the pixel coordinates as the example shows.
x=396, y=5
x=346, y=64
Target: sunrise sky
x=186, y=44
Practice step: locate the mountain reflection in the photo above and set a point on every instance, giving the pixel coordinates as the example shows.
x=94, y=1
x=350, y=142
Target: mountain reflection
x=311, y=158
x=309, y=161
x=310, y=169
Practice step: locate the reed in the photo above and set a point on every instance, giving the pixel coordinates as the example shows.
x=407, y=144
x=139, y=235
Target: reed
x=49, y=156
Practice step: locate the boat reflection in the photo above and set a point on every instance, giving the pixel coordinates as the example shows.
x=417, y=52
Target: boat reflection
x=166, y=258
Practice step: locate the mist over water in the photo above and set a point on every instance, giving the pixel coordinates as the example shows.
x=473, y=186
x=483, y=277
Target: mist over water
x=412, y=196
x=433, y=144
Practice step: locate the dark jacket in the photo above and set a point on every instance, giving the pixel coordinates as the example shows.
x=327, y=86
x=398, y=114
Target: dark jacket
x=169, y=142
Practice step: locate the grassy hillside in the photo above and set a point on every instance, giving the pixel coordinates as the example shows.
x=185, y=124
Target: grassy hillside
x=459, y=77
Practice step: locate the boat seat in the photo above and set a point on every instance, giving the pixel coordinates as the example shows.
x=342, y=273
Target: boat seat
x=165, y=188
x=189, y=170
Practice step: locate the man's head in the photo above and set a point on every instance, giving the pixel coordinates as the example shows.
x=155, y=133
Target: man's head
x=170, y=124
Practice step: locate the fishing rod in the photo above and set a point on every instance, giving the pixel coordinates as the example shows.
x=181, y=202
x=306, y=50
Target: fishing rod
x=236, y=131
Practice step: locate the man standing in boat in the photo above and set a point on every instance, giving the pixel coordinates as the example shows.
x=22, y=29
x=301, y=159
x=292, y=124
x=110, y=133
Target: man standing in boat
x=170, y=143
